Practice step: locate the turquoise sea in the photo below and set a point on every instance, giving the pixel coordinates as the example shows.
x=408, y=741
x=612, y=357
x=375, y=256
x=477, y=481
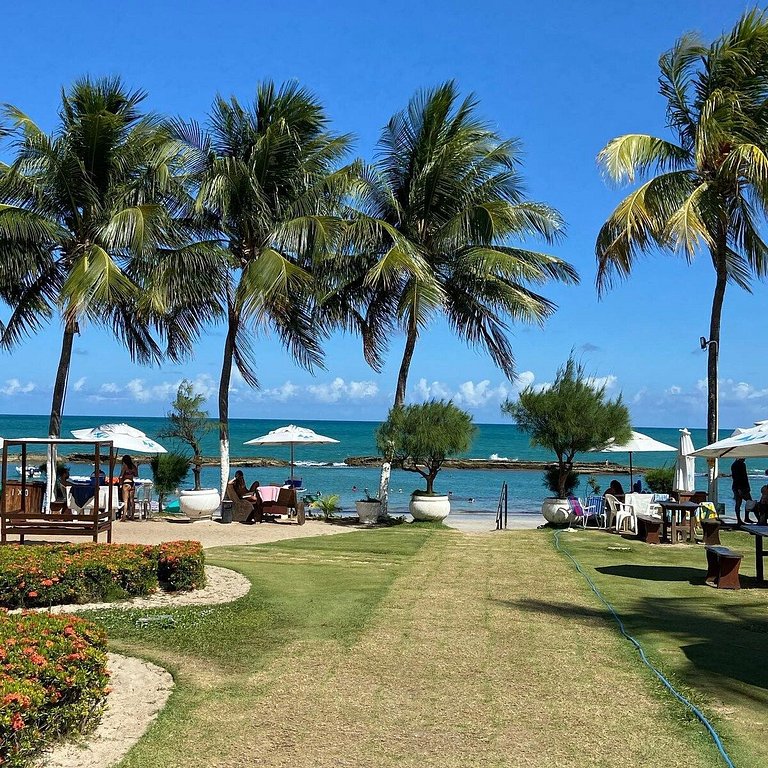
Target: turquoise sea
x=322, y=467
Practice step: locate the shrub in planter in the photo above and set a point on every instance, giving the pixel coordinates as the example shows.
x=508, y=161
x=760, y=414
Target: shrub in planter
x=53, y=682
x=181, y=566
x=168, y=470
x=419, y=438
x=571, y=416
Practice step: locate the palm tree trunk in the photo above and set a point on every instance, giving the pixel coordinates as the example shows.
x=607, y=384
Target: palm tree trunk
x=713, y=352
x=226, y=376
x=402, y=381
x=62, y=376
x=405, y=365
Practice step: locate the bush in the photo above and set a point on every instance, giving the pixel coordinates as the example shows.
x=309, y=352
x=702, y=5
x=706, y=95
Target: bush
x=53, y=682
x=181, y=566
x=660, y=480
x=552, y=480
x=55, y=574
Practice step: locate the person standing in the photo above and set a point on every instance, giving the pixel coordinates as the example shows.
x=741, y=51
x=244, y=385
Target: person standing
x=129, y=473
x=741, y=489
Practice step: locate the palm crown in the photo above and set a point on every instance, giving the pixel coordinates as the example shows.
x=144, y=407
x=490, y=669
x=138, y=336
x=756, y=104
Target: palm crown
x=447, y=196
x=75, y=208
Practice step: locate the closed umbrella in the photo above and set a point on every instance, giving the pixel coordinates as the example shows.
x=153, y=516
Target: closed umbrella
x=638, y=442
x=685, y=466
x=123, y=436
x=291, y=435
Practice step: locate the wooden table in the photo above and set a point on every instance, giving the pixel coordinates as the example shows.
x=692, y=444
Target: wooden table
x=758, y=531
x=682, y=515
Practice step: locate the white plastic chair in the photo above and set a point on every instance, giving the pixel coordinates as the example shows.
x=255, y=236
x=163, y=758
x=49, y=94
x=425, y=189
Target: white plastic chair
x=622, y=514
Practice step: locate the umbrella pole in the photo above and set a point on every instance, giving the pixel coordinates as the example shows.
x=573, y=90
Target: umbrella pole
x=631, y=478
x=291, y=464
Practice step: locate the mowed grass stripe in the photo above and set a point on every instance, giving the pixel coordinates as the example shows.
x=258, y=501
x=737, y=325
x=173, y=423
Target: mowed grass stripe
x=466, y=650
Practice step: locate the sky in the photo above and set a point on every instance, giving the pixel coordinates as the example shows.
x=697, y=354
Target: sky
x=563, y=77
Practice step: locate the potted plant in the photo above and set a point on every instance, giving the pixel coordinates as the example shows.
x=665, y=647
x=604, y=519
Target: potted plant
x=571, y=416
x=368, y=509
x=188, y=423
x=168, y=470
x=419, y=438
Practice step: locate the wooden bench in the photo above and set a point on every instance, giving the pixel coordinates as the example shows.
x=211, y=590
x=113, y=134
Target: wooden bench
x=723, y=567
x=91, y=523
x=648, y=528
x=711, y=528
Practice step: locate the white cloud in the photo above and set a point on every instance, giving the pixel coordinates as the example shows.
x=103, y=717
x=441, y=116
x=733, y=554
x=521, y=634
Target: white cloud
x=15, y=387
x=609, y=382
x=109, y=388
x=524, y=379
x=674, y=390
x=476, y=395
x=137, y=389
x=338, y=388
x=282, y=393
x=436, y=390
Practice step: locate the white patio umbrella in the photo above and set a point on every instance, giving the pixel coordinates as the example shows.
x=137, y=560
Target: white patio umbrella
x=743, y=443
x=291, y=435
x=685, y=466
x=637, y=443
x=123, y=436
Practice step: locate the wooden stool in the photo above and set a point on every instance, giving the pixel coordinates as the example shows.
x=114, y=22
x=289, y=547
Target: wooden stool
x=648, y=528
x=723, y=567
x=711, y=528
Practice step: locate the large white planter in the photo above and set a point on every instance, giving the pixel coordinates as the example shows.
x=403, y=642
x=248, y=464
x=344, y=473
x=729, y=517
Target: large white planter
x=429, y=507
x=199, y=504
x=368, y=511
x=556, y=511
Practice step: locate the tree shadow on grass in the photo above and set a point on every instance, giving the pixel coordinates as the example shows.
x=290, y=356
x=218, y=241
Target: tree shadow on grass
x=655, y=572
x=724, y=643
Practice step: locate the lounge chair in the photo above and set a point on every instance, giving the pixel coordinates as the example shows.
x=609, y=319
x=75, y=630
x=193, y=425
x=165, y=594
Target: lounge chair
x=242, y=508
x=582, y=511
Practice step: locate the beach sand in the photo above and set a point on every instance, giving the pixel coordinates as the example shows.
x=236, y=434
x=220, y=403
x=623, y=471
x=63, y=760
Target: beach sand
x=482, y=524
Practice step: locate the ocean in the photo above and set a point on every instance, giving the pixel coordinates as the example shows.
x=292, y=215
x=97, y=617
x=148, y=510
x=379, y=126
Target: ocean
x=322, y=468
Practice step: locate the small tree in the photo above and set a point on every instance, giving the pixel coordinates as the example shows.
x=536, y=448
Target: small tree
x=420, y=437
x=661, y=479
x=188, y=423
x=168, y=470
x=572, y=416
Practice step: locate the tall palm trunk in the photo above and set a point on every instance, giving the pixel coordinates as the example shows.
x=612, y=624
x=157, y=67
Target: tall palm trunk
x=233, y=321
x=402, y=381
x=62, y=376
x=713, y=352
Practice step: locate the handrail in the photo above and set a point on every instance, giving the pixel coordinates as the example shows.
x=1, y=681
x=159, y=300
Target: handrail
x=501, y=509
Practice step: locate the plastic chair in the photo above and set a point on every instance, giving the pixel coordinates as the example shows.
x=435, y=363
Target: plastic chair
x=143, y=500
x=622, y=513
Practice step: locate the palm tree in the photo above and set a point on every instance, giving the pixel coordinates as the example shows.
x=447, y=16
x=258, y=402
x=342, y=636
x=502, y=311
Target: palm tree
x=268, y=181
x=80, y=211
x=708, y=189
x=445, y=202
x=446, y=191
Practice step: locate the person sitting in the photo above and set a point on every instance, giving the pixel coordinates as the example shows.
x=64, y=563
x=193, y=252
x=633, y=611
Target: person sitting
x=246, y=501
x=615, y=489
x=761, y=507
x=637, y=486
x=60, y=486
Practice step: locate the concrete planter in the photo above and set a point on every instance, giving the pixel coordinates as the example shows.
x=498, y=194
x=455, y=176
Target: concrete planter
x=429, y=507
x=199, y=504
x=556, y=511
x=368, y=511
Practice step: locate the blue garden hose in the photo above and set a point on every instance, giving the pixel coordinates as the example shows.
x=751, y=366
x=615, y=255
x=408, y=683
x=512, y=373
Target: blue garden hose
x=679, y=696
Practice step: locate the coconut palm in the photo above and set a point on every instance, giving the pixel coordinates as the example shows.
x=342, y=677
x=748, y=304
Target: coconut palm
x=442, y=213
x=447, y=195
x=268, y=179
x=76, y=208
x=708, y=189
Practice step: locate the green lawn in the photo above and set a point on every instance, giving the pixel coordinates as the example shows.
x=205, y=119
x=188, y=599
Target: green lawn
x=424, y=646
x=711, y=642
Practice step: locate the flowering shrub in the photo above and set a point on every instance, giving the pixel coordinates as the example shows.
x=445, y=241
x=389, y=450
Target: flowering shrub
x=181, y=566
x=55, y=574
x=53, y=681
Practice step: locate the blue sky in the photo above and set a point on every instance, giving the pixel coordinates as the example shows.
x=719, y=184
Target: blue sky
x=564, y=77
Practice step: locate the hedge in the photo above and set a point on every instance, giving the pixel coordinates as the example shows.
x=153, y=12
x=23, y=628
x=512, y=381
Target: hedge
x=53, y=682
x=55, y=574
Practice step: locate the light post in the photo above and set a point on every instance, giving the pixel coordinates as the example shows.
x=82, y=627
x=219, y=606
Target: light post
x=713, y=463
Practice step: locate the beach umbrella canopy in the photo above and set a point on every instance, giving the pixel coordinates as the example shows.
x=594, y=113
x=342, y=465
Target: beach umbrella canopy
x=685, y=466
x=291, y=435
x=637, y=443
x=742, y=444
x=123, y=436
